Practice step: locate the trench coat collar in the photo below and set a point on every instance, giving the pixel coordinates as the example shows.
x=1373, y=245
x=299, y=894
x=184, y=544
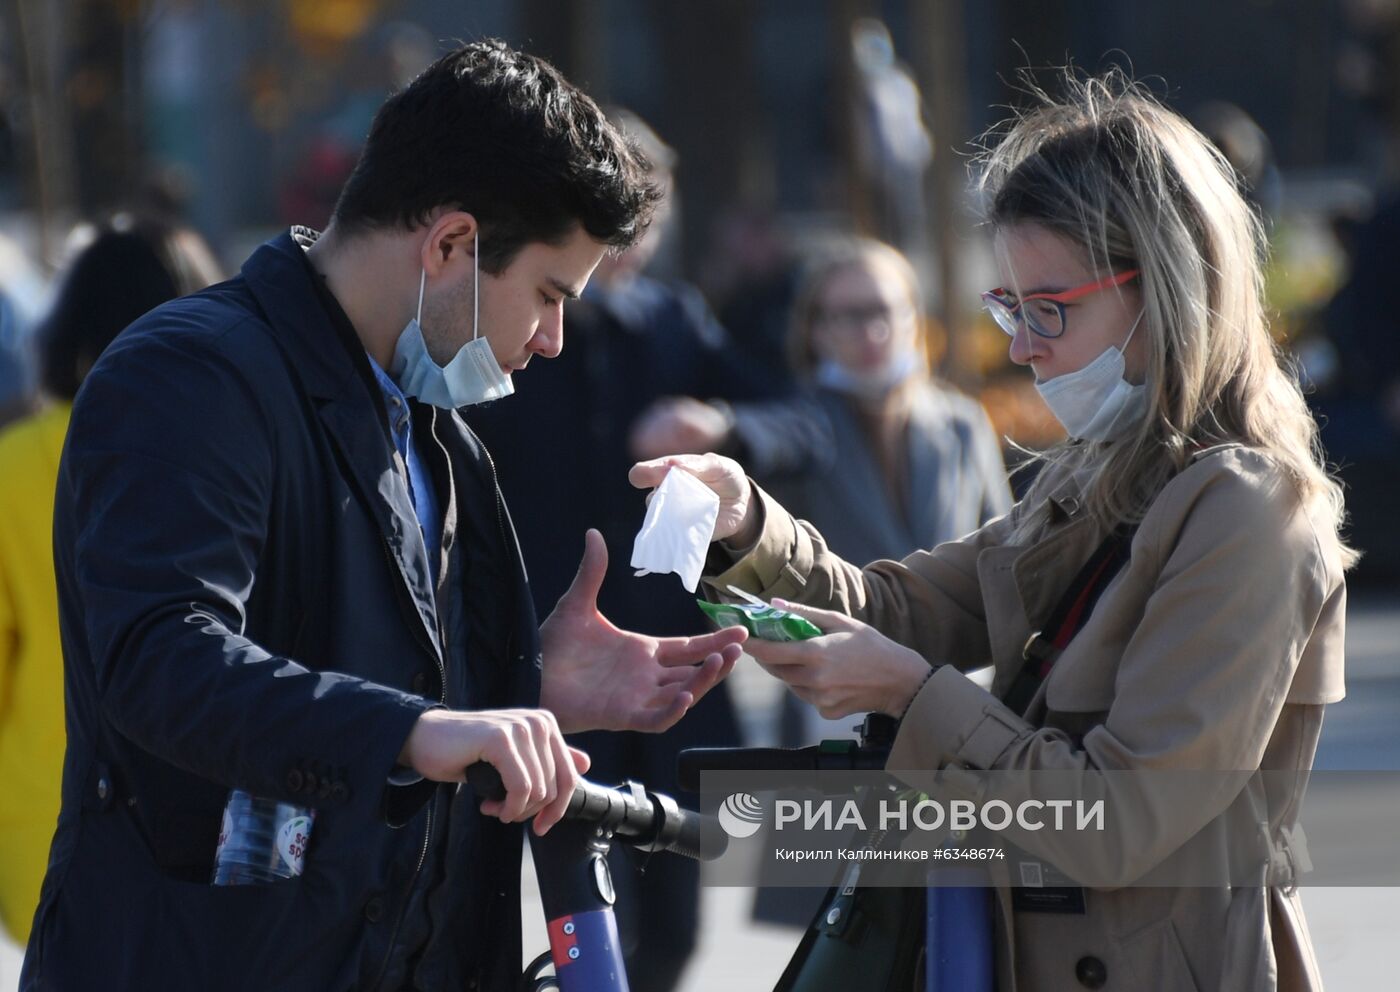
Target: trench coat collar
x=1034, y=575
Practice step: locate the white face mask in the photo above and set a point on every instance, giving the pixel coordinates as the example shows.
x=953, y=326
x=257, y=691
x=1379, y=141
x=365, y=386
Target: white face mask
x=874, y=384
x=1097, y=403
x=473, y=376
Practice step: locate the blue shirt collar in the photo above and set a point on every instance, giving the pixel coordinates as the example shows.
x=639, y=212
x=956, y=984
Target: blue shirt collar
x=395, y=405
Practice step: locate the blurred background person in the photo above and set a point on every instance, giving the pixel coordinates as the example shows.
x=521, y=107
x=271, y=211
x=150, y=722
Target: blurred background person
x=128, y=267
x=16, y=372
x=22, y=296
x=893, y=147
x=913, y=462
x=645, y=369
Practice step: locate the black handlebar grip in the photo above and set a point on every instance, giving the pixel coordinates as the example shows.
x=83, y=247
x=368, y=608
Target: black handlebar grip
x=486, y=781
x=699, y=837
x=690, y=834
x=692, y=761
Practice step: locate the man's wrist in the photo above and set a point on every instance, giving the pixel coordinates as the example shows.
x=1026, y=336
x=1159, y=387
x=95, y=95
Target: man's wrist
x=405, y=758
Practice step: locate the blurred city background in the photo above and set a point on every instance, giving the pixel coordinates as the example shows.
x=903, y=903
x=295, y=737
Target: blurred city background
x=790, y=121
x=789, y=118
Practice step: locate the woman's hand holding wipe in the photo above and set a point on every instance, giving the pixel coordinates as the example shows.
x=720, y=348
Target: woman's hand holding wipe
x=739, y=520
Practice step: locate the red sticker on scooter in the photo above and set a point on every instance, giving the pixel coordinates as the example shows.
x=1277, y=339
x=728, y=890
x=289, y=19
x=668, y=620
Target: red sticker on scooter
x=563, y=941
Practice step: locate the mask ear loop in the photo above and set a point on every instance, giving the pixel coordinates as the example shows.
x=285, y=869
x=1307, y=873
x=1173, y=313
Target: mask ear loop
x=1141, y=313
x=422, y=282
x=476, y=282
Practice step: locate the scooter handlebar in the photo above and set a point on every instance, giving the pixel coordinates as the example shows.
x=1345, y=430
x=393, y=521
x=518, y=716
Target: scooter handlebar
x=829, y=756
x=649, y=821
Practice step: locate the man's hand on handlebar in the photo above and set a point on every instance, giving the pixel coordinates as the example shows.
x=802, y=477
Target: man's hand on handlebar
x=539, y=770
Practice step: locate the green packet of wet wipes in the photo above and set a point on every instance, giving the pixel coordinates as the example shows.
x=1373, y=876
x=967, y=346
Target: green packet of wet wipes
x=767, y=623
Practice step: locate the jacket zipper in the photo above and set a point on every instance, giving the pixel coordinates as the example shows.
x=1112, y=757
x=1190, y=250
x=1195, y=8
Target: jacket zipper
x=500, y=500
x=507, y=541
x=428, y=827
x=442, y=672
x=413, y=880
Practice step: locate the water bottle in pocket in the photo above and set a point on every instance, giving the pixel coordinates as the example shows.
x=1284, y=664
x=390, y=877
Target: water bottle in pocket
x=261, y=840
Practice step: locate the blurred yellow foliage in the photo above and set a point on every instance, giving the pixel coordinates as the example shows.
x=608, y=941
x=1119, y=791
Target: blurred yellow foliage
x=319, y=25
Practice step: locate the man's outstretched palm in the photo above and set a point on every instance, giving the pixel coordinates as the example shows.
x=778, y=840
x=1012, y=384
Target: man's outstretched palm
x=598, y=677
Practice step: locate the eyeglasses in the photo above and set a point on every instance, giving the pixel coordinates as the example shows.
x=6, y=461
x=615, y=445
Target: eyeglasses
x=857, y=318
x=1044, y=313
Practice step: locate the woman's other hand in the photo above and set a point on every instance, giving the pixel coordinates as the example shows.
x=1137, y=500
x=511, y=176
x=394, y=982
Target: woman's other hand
x=851, y=668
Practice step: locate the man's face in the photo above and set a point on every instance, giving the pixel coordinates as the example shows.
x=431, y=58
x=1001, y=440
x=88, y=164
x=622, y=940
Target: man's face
x=521, y=312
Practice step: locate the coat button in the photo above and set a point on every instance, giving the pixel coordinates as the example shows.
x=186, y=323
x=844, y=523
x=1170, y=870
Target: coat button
x=294, y=780
x=420, y=683
x=374, y=909
x=340, y=792
x=1091, y=972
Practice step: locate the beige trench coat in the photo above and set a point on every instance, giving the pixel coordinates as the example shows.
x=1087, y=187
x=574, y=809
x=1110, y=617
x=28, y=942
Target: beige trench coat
x=1215, y=647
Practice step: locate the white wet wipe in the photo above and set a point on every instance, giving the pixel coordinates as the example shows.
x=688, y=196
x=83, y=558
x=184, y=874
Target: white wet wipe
x=676, y=534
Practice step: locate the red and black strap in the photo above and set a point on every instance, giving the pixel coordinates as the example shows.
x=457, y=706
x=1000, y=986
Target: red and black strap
x=1069, y=615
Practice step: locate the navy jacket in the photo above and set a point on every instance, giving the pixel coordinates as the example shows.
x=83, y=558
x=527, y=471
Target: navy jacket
x=244, y=603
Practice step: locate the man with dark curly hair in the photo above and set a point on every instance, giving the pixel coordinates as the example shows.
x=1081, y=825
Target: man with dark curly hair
x=285, y=567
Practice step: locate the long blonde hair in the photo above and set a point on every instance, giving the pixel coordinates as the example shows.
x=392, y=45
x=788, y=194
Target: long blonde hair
x=1135, y=186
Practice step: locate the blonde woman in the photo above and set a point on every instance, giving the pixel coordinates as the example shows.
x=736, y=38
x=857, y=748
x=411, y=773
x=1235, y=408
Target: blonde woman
x=916, y=462
x=913, y=462
x=1130, y=271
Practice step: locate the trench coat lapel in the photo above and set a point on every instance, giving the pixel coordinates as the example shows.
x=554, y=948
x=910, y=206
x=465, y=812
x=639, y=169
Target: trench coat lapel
x=1022, y=584
x=1007, y=627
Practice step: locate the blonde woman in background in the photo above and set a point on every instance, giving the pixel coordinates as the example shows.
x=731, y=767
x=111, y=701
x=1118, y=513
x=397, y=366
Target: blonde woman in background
x=913, y=462
x=1130, y=270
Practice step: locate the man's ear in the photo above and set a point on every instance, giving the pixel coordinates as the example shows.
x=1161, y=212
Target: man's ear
x=450, y=241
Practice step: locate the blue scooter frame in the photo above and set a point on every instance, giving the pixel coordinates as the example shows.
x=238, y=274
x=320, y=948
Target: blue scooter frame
x=954, y=951
x=577, y=891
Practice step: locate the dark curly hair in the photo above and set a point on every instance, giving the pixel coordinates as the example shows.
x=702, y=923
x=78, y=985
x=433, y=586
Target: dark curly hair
x=504, y=136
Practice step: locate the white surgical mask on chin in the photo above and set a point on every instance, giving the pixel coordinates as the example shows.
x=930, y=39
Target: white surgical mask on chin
x=1096, y=403
x=473, y=376
x=832, y=375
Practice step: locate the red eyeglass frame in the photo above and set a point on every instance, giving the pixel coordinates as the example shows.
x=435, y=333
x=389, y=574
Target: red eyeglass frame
x=1059, y=299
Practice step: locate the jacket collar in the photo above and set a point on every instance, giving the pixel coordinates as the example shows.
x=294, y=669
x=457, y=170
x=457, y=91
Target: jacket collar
x=329, y=358
x=335, y=370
